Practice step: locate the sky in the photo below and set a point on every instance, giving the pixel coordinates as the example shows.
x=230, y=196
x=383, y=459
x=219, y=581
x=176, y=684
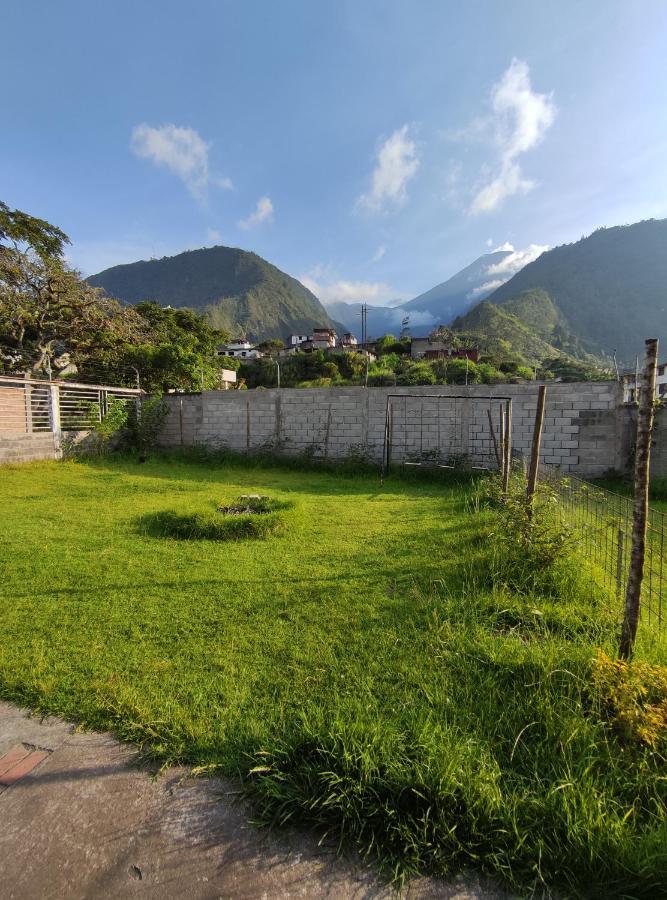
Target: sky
x=371, y=148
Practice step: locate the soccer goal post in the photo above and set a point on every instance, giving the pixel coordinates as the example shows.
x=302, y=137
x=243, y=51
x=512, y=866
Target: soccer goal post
x=445, y=431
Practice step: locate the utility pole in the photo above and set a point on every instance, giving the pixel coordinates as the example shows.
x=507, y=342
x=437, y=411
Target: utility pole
x=364, y=324
x=278, y=368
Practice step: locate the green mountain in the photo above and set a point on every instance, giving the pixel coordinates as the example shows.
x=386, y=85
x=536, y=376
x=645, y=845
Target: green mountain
x=497, y=330
x=609, y=289
x=235, y=289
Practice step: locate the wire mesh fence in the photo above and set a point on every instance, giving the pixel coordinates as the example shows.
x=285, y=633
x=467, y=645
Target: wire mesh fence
x=602, y=520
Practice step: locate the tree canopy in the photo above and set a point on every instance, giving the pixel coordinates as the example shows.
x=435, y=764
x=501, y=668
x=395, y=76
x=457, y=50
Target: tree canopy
x=53, y=323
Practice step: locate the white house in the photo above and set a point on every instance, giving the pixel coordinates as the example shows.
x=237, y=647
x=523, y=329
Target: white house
x=240, y=350
x=630, y=387
x=320, y=339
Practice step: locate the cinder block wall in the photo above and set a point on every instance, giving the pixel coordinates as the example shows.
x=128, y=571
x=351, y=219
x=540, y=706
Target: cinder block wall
x=583, y=429
x=20, y=448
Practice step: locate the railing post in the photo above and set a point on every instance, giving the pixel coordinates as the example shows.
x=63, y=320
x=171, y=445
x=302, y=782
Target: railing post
x=28, y=407
x=54, y=410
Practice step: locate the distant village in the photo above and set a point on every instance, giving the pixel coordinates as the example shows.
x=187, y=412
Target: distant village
x=327, y=340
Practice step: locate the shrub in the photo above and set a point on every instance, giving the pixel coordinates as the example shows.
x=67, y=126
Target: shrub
x=380, y=377
x=532, y=552
x=144, y=425
x=416, y=373
x=632, y=698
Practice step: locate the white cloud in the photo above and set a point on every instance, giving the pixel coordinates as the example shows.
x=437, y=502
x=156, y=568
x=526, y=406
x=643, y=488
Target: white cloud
x=213, y=236
x=489, y=242
x=516, y=260
x=263, y=212
x=181, y=150
x=485, y=288
x=379, y=253
x=397, y=163
x=520, y=118
x=503, y=248
x=331, y=290
x=503, y=270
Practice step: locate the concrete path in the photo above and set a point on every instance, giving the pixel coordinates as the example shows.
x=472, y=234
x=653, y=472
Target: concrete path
x=79, y=818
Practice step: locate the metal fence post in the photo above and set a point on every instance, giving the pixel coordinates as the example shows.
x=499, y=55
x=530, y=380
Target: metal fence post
x=28, y=407
x=619, y=562
x=54, y=410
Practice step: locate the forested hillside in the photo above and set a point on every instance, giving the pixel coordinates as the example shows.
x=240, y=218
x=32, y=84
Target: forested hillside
x=236, y=290
x=609, y=289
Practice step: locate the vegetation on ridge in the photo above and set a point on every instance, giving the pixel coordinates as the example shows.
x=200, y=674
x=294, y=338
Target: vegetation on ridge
x=234, y=289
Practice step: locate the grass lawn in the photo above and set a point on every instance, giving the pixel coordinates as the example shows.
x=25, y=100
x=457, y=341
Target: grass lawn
x=358, y=670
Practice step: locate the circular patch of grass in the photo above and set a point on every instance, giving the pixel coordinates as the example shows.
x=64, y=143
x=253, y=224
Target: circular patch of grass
x=247, y=517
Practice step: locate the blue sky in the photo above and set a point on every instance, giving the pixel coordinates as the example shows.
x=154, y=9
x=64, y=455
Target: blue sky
x=372, y=148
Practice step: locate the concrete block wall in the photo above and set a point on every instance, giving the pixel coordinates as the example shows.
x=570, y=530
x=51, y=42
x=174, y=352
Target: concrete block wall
x=583, y=429
x=20, y=448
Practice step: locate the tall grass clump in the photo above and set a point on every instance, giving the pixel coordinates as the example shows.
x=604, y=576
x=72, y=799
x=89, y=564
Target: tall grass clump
x=533, y=549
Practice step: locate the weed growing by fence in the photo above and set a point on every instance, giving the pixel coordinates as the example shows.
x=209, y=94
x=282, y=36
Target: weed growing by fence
x=531, y=553
x=632, y=697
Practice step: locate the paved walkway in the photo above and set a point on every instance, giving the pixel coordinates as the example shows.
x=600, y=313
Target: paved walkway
x=79, y=818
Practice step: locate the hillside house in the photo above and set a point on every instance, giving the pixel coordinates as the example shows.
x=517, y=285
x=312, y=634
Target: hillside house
x=349, y=341
x=429, y=348
x=320, y=339
x=239, y=350
x=630, y=392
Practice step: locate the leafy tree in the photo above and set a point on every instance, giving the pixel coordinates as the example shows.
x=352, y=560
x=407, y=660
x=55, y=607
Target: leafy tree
x=47, y=313
x=272, y=346
x=488, y=374
x=460, y=373
x=351, y=365
x=180, y=352
x=390, y=344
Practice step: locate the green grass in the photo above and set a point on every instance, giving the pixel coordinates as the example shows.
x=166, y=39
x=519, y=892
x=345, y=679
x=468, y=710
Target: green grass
x=358, y=669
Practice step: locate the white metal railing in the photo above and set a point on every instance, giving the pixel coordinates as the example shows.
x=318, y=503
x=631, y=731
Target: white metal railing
x=30, y=405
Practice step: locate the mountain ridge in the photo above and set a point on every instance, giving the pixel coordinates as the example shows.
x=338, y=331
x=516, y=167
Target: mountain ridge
x=237, y=290
x=609, y=287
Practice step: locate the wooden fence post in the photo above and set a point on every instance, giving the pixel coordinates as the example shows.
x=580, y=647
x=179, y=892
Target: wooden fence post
x=501, y=424
x=493, y=438
x=535, y=451
x=640, y=511
x=508, y=447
